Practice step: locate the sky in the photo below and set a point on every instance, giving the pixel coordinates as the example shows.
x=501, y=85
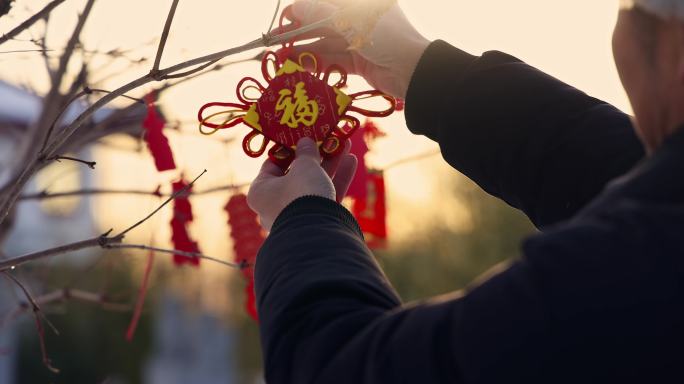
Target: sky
x=567, y=39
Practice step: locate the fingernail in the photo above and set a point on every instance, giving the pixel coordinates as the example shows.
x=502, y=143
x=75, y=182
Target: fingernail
x=305, y=142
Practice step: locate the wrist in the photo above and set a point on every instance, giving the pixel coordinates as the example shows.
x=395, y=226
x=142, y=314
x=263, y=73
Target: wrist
x=412, y=54
x=316, y=205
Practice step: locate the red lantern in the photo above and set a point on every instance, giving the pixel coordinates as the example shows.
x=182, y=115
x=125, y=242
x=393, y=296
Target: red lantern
x=248, y=237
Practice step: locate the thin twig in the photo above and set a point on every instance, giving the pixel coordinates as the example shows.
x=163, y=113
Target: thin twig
x=173, y=196
x=175, y=252
x=26, y=50
x=275, y=15
x=30, y=21
x=90, y=164
x=66, y=294
x=192, y=71
x=72, y=43
x=164, y=36
x=89, y=192
x=85, y=91
x=89, y=91
x=13, y=189
x=37, y=313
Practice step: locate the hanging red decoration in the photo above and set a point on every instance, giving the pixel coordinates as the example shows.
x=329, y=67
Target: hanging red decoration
x=401, y=104
x=157, y=142
x=360, y=140
x=371, y=212
x=295, y=103
x=248, y=237
x=182, y=215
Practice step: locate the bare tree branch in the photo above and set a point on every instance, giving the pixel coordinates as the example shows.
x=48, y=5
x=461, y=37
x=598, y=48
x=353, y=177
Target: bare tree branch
x=175, y=252
x=89, y=192
x=164, y=36
x=90, y=164
x=99, y=241
x=71, y=44
x=30, y=21
x=12, y=191
x=66, y=294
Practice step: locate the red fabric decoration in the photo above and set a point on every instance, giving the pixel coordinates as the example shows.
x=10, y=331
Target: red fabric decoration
x=371, y=213
x=142, y=293
x=182, y=215
x=300, y=99
x=157, y=143
x=401, y=104
x=361, y=139
x=247, y=239
x=359, y=184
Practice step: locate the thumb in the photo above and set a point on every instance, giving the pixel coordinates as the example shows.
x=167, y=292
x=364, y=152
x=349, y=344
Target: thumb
x=307, y=148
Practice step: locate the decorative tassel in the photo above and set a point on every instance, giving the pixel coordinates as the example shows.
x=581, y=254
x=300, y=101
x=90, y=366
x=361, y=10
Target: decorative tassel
x=157, y=142
x=182, y=214
x=247, y=239
x=361, y=139
x=371, y=212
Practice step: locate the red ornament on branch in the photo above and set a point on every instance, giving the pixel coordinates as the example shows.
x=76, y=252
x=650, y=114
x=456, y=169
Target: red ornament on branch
x=156, y=141
x=296, y=102
x=361, y=140
x=248, y=236
x=371, y=212
x=182, y=215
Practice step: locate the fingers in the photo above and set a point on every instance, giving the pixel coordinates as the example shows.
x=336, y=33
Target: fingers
x=345, y=59
x=311, y=11
x=269, y=170
x=307, y=148
x=345, y=174
x=330, y=164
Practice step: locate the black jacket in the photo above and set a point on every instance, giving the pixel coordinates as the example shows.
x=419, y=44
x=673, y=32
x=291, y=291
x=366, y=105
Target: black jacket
x=598, y=296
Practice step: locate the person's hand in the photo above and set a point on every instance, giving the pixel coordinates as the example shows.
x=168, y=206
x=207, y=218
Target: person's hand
x=273, y=190
x=386, y=57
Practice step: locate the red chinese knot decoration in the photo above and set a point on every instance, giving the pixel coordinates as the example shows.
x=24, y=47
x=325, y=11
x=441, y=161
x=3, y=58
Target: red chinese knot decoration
x=247, y=239
x=295, y=103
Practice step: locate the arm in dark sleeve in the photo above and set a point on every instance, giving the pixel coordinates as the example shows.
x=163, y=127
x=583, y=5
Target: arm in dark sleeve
x=329, y=315
x=598, y=298
x=539, y=144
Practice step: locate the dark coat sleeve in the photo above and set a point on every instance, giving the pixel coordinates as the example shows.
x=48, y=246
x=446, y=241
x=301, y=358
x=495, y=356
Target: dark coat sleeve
x=595, y=300
x=523, y=136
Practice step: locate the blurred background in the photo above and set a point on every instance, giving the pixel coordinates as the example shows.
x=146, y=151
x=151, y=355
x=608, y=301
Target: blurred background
x=443, y=230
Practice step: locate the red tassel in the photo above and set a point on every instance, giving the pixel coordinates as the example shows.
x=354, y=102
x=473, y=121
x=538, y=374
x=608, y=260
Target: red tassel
x=361, y=139
x=371, y=213
x=157, y=142
x=140, y=302
x=182, y=214
x=247, y=239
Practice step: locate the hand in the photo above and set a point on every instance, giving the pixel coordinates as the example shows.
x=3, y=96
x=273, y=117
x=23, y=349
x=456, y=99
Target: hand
x=386, y=59
x=273, y=190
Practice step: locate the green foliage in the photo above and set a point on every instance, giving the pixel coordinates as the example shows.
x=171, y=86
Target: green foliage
x=437, y=261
